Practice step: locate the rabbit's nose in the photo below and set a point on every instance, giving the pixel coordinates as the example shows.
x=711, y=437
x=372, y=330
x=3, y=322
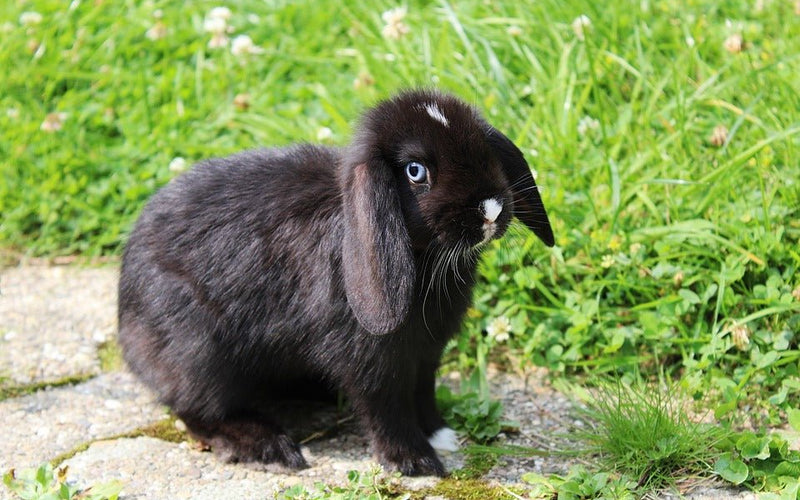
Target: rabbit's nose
x=491, y=208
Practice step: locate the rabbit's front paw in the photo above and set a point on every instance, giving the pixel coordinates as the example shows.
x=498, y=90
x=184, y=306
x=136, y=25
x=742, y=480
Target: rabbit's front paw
x=249, y=440
x=415, y=464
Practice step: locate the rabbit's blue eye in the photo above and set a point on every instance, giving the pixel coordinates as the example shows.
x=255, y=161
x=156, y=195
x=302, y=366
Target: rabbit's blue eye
x=416, y=172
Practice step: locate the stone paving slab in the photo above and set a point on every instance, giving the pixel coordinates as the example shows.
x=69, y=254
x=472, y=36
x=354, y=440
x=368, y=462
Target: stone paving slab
x=53, y=319
x=43, y=425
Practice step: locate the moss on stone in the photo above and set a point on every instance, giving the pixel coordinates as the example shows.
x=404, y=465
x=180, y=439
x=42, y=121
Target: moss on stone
x=477, y=465
x=110, y=356
x=164, y=429
x=467, y=489
x=18, y=390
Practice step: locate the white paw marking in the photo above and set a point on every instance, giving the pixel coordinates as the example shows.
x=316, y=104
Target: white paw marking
x=436, y=113
x=491, y=209
x=445, y=439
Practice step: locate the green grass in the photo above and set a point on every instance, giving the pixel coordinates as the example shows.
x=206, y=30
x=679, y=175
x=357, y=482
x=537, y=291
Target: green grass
x=647, y=435
x=677, y=248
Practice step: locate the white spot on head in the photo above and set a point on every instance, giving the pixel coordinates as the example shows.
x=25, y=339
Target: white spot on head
x=434, y=112
x=445, y=439
x=491, y=209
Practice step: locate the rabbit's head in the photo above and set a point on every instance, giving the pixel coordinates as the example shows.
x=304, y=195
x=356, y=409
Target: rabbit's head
x=425, y=173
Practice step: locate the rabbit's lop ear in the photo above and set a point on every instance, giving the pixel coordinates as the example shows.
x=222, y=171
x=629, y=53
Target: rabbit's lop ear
x=377, y=260
x=528, y=206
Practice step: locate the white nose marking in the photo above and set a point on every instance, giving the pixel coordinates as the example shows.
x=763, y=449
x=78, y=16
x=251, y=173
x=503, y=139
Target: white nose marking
x=491, y=209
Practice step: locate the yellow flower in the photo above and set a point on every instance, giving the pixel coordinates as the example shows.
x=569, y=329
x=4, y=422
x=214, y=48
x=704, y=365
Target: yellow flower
x=615, y=243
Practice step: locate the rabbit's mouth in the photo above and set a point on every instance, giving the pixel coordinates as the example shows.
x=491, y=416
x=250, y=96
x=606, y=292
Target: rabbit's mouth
x=490, y=208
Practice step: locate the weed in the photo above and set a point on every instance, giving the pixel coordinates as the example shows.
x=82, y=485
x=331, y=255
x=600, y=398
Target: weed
x=644, y=433
x=374, y=485
x=360, y=486
x=45, y=483
x=762, y=462
x=581, y=484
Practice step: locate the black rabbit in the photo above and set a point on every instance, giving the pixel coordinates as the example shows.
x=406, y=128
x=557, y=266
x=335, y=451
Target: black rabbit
x=346, y=269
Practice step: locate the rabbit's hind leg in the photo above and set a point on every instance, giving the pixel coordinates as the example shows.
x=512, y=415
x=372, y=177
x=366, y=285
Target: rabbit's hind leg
x=248, y=438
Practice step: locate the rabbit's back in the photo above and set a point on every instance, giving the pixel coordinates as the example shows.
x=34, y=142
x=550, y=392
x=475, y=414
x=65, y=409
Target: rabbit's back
x=230, y=265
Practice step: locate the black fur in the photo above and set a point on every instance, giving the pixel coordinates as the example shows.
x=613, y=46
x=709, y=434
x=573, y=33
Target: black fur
x=255, y=274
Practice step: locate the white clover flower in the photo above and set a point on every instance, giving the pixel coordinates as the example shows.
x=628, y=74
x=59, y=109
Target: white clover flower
x=324, y=134
x=157, y=31
x=690, y=41
x=499, y=329
x=53, y=122
x=215, y=25
x=395, y=27
x=586, y=124
x=243, y=45
x=177, y=165
x=580, y=25
x=222, y=13
x=719, y=135
x=242, y=101
x=608, y=261
x=740, y=335
x=734, y=43
x=363, y=80
x=30, y=18
x=12, y=113
x=218, y=41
